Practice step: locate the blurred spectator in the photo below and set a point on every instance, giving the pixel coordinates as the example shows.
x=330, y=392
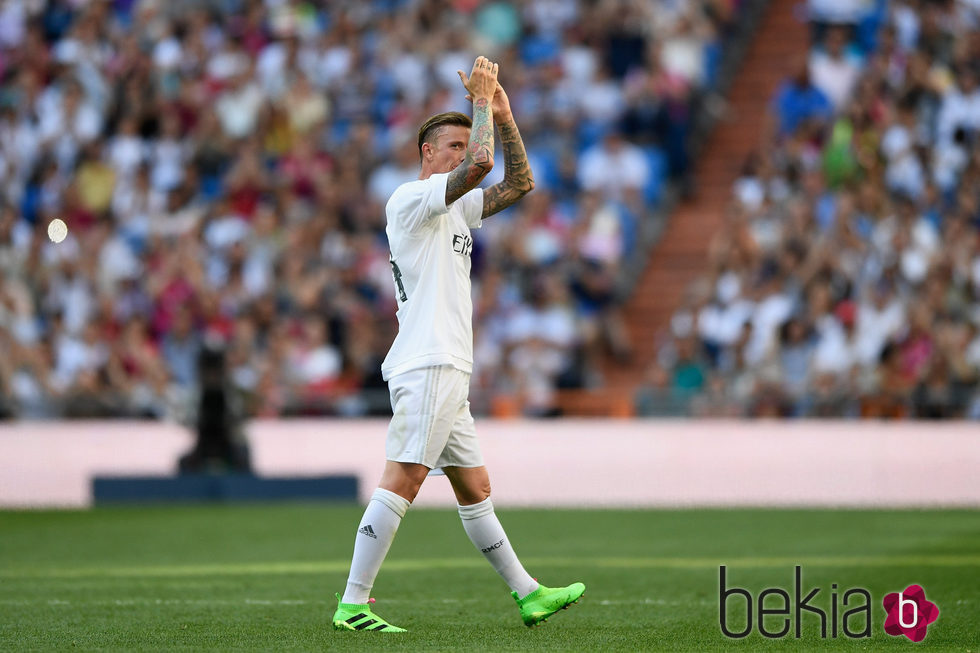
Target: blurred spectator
x=796, y=347
x=833, y=71
x=798, y=101
x=181, y=348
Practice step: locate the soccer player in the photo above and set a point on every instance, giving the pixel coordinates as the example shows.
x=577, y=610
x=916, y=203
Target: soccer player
x=429, y=365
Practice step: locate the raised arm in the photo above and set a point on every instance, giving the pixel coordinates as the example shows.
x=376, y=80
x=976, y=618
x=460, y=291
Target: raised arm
x=518, y=179
x=479, y=151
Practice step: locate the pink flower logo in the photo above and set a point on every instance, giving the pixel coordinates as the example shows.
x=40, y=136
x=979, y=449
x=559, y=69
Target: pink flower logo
x=909, y=613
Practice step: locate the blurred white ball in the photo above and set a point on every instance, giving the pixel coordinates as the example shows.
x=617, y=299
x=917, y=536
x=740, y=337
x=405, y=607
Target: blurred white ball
x=57, y=230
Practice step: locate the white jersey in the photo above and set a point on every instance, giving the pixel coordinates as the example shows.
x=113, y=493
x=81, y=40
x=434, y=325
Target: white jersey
x=430, y=262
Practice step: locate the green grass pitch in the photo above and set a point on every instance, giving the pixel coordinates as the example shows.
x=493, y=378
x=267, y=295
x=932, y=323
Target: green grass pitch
x=262, y=577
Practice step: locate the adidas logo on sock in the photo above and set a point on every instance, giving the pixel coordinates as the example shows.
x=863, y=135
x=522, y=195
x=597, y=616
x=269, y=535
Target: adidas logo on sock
x=367, y=530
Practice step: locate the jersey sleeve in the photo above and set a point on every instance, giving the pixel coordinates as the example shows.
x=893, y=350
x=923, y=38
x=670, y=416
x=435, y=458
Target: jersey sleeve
x=413, y=204
x=471, y=203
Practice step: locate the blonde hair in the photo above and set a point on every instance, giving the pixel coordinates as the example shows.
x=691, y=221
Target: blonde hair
x=429, y=128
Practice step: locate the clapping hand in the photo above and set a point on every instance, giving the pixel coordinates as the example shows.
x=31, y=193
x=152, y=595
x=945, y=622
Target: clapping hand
x=482, y=80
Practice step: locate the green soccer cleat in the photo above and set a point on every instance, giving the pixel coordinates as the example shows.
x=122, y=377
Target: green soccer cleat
x=354, y=616
x=543, y=602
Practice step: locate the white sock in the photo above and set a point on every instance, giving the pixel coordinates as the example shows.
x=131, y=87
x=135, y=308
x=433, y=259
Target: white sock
x=486, y=533
x=374, y=536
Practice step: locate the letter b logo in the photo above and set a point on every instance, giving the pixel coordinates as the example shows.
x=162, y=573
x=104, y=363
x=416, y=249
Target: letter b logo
x=902, y=602
x=909, y=613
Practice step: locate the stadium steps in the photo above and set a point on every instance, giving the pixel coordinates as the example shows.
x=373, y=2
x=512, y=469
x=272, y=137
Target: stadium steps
x=680, y=256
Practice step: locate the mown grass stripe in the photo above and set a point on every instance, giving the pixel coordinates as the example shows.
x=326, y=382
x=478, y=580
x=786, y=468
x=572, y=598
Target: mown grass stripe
x=421, y=564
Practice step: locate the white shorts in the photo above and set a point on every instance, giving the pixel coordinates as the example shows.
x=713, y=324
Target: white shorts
x=431, y=423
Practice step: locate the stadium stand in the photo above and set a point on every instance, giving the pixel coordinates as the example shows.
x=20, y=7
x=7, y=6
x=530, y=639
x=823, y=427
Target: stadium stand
x=222, y=169
x=843, y=273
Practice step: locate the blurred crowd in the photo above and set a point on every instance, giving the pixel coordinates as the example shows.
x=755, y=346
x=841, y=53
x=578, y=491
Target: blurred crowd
x=223, y=166
x=847, y=279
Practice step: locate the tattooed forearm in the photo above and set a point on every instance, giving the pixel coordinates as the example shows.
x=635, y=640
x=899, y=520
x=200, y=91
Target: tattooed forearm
x=518, y=179
x=498, y=197
x=479, y=154
x=480, y=149
x=517, y=170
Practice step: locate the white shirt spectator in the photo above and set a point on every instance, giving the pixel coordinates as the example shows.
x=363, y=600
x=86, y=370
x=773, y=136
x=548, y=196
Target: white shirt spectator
x=683, y=55
x=750, y=192
x=238, y=109
x=907, y=25
x=29, y=393
x=914, y=264
x=537, y=366
x=551, y=15
x=81, y=123
x=603, y=238
x=320, y=364
x=220, y=234
x=553, y=324
x=446, y=65
x=579, y=63
x=167, y=160
x=410, y=73
x=126, y=152
x=972, y=354
x=67, y=250
x=167, y=54
x=906, y=175
x=969, y=13
x=19, y=144
x=768, y=316
x=925, y=236
x=882, y=237
x=74, y=299
x=722, y=324
x=388, y=177
x=836, y=352
x=958, y=109
x=834, y=76
x=226, y=64
x=135, y=206
x=273, y=70
x=877, y=323
x=601, y=100
x=612, y=167
x=17, y=314
x=333, y=65
x=904, y=172
x=948, y=161
x=837, y=11
x=116, y=262
x=74, y=355
x=401, y=168
x=13, y=22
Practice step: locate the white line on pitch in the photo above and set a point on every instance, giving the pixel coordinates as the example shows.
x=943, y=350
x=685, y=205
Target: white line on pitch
x=418, y=564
